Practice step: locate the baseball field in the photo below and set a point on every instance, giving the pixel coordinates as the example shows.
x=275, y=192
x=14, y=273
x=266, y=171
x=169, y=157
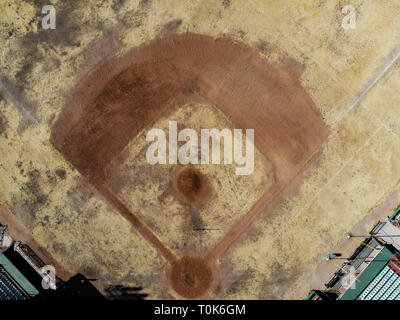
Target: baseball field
x=76, y=103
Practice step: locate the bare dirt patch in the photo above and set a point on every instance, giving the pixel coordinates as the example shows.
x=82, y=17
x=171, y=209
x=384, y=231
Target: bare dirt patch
x=191, y=277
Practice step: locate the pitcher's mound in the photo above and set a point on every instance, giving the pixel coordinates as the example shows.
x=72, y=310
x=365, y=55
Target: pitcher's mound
x=190, y=185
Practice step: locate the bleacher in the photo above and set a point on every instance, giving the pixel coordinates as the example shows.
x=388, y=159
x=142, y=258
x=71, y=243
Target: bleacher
x=386, y=286
x=8, y=290
x=13, y=284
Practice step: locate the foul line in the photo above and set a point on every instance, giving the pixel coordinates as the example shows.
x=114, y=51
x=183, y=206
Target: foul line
x=338, y=172
x=381, y=72
x=21, y=106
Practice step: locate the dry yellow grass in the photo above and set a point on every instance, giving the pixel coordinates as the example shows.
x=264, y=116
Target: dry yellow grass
x=359, y=165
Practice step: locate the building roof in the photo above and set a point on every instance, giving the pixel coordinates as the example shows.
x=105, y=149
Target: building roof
x=370, y=274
